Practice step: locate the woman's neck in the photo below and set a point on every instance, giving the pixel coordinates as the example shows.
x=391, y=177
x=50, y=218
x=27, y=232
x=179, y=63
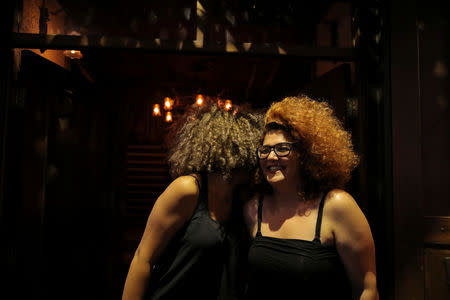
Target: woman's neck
x=218, y=185
x=284, y=193
x=219, y=197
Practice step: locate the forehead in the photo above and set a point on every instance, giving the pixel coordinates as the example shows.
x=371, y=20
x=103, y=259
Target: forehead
x=273, y=137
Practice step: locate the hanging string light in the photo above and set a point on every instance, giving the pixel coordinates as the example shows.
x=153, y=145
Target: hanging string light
x=156, y=110
x=199, y=100
x=168, y=103
x=228, y=105
x=169, y=117
x=168, y=106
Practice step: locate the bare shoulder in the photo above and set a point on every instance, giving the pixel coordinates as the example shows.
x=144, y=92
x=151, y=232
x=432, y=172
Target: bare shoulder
x=181, y=191
x=251, y=206
x=251, y=210
x=186, y=185
x=340, y=203
x=347, y=219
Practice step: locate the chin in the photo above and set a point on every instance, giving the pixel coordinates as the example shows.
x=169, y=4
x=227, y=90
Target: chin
x=274, y=179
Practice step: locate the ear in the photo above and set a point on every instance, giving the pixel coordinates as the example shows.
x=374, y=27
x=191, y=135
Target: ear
x=299, y=158
x=295, y=154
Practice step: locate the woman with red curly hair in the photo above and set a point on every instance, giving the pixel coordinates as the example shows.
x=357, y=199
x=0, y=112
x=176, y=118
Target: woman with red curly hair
x=310, y=238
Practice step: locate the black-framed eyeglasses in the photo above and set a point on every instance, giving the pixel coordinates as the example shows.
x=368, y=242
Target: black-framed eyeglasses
x=280, y=149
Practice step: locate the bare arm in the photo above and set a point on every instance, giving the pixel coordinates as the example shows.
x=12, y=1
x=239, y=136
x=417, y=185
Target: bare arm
x=354, y=243
x=171, y=210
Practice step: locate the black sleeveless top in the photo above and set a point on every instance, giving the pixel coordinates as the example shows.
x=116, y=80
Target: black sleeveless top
x=301, y=269
x=199, y=261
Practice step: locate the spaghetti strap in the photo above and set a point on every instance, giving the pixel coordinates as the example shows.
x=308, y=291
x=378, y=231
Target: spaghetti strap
x=319, y=219
x=202, y=187
x=196, y=180
x=260, y=204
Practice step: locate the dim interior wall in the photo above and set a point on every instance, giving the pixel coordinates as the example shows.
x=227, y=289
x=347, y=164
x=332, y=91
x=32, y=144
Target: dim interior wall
x=420, y=119
x=334, y=30
x=434, y=81
x=61, y=197
x=32, y=11
x=29, y=23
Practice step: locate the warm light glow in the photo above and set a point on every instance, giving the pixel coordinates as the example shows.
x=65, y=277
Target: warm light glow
x=168, y=116
x=219, y=102
x=228, y=105
x=156, y=110
x=168, y=103
x=199, y=100
x=73, y=54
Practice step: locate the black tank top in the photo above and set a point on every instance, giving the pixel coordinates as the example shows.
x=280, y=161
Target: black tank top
x=300, y=269
x=197, y=262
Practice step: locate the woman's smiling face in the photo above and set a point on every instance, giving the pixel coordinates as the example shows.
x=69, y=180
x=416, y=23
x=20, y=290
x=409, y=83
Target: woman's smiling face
x=280, y=170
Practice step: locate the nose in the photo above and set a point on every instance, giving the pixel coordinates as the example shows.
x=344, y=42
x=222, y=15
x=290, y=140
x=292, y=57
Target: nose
x=272, y=154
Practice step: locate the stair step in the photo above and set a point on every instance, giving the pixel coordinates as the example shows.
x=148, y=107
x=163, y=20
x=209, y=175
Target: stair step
x=138, y=220
x=136, y=163
x=141, y=201
x=142, y=211
x=133, y=194
x=145, y=185
x=147, y=147
x=139, y=194
x=148, y=177
x=147, y=169
x=147, y=154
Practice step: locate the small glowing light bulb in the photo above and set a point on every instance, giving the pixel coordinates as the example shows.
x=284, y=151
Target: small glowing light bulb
x=156, y=110
x=228, y=105
x=169, y=116
x=199, y=100
x=168, y=103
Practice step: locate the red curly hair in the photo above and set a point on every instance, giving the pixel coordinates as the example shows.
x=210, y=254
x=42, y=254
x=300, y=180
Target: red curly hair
x=326, y=151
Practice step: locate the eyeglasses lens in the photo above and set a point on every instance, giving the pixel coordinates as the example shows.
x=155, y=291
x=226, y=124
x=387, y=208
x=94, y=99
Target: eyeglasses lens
x=281, y=150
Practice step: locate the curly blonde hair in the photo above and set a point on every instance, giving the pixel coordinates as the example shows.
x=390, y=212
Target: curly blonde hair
x=210, y=139
x=326, y=151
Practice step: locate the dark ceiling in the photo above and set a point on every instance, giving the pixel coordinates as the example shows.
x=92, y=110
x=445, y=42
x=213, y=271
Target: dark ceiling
x=239, y=77
x=133, y=17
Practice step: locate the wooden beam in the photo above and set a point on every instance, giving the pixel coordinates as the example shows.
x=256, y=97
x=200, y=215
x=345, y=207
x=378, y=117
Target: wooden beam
x=30, y=40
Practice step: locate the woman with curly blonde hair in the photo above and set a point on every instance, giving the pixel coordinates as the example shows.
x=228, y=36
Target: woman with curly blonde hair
x=310, y=238
x=188, y=249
